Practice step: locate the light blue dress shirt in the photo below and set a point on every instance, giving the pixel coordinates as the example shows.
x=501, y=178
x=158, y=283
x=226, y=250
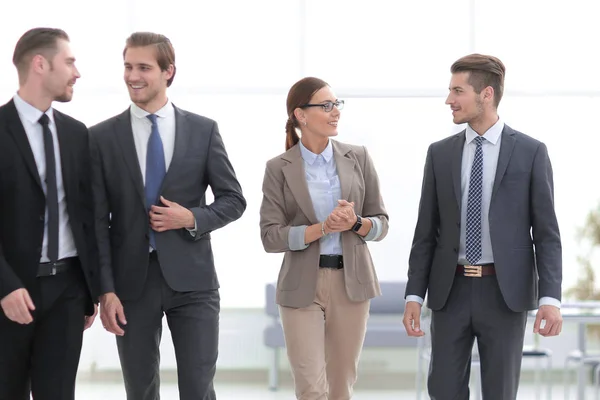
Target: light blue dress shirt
x=325, y=191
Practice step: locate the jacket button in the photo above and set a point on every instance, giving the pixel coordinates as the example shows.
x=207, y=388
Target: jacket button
x=455, y=250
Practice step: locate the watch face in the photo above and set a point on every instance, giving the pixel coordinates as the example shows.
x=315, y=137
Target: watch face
x=358, y=224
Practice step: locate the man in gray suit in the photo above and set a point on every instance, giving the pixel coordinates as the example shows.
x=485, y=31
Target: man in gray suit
x=486, y=245
x=151, y=167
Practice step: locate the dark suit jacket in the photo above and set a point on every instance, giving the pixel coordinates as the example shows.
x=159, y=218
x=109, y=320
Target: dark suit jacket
x=523, y=227
x=23, y=203
x=199, y=160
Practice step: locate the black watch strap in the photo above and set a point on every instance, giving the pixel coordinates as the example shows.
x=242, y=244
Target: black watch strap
x=358, y=224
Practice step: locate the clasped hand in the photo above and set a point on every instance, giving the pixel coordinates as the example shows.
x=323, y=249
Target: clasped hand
x=342, y=218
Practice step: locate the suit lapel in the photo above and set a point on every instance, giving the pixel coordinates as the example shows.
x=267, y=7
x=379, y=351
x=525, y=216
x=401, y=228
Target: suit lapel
x=458, y=145
x=15, y=127
x=295, y=177
x=182, y=137
x=345, y=168
x=124, y=135
x=506, y=149
x=66, y=156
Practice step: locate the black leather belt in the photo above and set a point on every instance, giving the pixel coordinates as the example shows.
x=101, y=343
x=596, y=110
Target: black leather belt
x=51, y=269
x=331, y=261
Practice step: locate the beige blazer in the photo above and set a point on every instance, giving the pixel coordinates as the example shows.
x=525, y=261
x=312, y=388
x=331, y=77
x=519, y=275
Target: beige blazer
x=286, y=203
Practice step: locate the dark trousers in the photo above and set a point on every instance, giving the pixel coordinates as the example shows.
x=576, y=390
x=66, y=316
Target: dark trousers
x=476, y=309
x=193, y=319
x=42, y=357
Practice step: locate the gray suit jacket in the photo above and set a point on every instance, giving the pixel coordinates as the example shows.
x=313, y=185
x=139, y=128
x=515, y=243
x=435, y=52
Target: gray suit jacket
x=523, y=227
x=122, y=223
x=286, y=203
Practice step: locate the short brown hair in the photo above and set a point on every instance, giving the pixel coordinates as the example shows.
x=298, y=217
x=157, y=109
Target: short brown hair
x=483, y=71
x=300, y=94
x=165, y=53
x=43, y=41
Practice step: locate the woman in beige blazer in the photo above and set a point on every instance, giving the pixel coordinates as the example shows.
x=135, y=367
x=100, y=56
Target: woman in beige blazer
x=321, y=205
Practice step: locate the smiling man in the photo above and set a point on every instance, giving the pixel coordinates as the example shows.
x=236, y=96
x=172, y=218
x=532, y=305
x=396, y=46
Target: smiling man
x=152, y=165
x=487, y=246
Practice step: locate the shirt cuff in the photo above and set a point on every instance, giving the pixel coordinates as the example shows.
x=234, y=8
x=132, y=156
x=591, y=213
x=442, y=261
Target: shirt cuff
x=375, y=231
x=549, y=301
x=417, y=299
x=296, y=238
x=194, y=230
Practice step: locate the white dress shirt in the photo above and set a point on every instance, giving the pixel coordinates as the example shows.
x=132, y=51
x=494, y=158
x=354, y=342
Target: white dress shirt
x=142, y=127
x=30, y=116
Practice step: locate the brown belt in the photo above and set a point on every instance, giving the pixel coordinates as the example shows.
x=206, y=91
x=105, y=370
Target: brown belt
x=476, y=271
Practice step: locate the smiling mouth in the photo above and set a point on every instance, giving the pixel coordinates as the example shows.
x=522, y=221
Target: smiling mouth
x=136, y=87
x=333, y=123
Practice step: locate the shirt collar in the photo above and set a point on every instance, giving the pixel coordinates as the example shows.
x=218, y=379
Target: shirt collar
x=29, y=112
x=491, y=135
x=166, y=111
x=311, y=157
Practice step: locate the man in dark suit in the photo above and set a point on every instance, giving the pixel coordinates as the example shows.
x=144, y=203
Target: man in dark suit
x=152, y=165
x=47, y=243
x=487, y=246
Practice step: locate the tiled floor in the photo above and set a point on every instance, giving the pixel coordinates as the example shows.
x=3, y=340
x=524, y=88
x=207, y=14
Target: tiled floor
x=115, y=391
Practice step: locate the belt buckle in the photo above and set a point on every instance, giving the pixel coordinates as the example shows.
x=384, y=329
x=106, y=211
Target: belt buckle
x=473, y=271
x=53, y=270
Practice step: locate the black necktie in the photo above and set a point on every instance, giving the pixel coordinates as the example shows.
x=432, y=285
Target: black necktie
x=51, y=190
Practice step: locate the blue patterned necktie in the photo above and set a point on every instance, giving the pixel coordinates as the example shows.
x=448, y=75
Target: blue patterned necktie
x=155, y=169
x=473, y=236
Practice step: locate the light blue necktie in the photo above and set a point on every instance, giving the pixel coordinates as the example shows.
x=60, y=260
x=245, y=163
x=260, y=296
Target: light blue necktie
x=473, y=236
x=155, y=169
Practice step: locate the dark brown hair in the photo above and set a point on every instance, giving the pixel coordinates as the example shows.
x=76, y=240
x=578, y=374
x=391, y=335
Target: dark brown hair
x=299, y=95
x=43, y=41
x=483, y=71
x=165, y=53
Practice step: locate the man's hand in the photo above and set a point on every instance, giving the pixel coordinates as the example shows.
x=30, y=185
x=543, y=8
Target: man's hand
x=89, y=319
x=16, y=306
x=551, y=315
x=173, y=216
x=342, y=218
x=412, y=319
x=111, y=309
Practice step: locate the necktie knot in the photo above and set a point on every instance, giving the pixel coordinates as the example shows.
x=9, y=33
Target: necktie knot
x=44, y=120
x=479, y=140
x=152, y=118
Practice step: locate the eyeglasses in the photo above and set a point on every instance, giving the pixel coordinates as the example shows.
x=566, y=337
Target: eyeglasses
x=327, y=106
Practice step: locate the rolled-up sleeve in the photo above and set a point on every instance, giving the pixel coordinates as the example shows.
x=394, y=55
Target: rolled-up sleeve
x=296, y=238
x=375, y=231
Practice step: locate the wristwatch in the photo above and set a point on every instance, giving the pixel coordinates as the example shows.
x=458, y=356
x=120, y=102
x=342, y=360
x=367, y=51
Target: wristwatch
x=358, y=224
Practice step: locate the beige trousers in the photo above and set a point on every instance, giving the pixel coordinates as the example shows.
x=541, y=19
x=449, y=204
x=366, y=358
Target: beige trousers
x=324, y=340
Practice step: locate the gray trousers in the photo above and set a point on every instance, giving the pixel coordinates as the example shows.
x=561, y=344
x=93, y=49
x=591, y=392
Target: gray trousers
x=193, y=319
x=476, y=309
